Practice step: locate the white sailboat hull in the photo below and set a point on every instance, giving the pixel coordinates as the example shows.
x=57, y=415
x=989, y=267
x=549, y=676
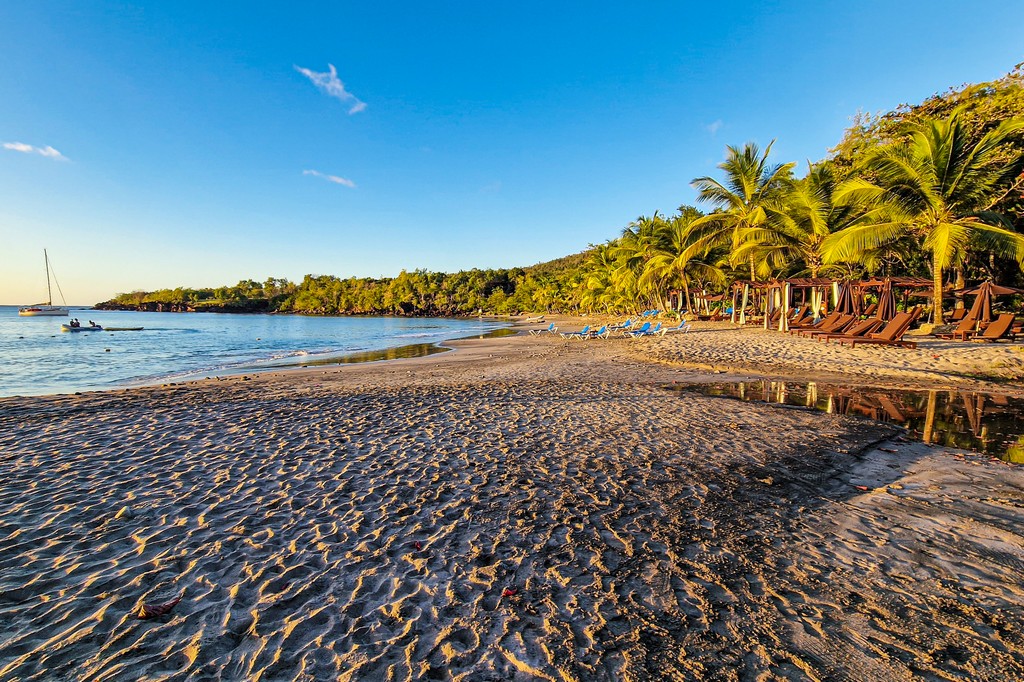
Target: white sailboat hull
x=37, y=310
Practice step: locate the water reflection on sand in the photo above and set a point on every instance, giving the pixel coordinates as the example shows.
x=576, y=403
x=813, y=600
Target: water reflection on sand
x=985, y=422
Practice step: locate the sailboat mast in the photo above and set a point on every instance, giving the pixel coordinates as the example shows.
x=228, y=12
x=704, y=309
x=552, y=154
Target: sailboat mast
x=49, y=296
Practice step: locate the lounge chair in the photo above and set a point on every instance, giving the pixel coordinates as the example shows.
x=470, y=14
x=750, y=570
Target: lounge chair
x=862, y=328
x=870, y=310
x=965, y=328
x=957, y=315
x=891, y=334
x=644, y=328
x=1000, y=328
x=800, y=316
x=572, y=335
x=621, y=325
x=601, y=333
x=812, y=325
x=684, y=327
x=836, y=327
x=552, y=329
x=648, y=331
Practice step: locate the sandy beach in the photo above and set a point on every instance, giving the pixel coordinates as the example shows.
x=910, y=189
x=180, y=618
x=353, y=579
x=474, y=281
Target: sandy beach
x=525, y=508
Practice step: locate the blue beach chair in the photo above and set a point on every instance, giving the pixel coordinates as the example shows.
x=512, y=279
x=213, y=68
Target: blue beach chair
x=573, y=335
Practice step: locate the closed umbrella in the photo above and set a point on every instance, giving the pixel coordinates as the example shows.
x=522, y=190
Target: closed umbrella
x=981, y=311
x=886, y=302
x=845, y=301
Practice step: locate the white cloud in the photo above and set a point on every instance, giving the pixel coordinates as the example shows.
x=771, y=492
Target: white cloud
x=329, y=83
x=46, y=151
x=330, y=178
x=714, y=127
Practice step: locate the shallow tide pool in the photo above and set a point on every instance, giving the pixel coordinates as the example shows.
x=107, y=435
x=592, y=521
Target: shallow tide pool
x=983, y=422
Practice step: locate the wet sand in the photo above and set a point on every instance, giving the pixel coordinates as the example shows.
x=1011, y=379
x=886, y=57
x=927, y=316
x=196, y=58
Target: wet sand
x=525, y=508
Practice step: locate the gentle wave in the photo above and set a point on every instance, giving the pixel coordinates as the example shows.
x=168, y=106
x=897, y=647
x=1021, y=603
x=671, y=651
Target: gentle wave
x=39, y=359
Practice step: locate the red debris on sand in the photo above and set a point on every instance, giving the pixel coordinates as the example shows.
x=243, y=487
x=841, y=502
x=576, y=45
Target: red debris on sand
x=417, y=545
x=861, y=487
x=510, y=592
x=154, y=610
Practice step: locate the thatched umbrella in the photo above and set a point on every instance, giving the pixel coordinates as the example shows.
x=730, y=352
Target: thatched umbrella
x=981, y=311
x=886, y=302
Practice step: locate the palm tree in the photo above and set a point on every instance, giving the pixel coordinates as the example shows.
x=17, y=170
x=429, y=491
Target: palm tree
x=746, y=200
x=678, y=256
x=632, y=251
x=937, y=188
x=810, y=214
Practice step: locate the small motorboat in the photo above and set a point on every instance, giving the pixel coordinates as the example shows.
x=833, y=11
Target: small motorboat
x=89, y=328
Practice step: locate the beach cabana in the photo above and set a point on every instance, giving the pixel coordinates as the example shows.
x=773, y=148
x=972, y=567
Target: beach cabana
x=887, y=292
x=744, y=293
x=781, y=298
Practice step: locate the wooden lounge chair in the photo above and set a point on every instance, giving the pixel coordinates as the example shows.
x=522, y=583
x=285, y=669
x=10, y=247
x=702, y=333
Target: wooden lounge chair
x=801, y=316
x=965, y=328
x=891, y=334
x=998, y=329
x=821, y=323
x=957, y=315
x=861, y=329
x=837, y=325
x=870, y=310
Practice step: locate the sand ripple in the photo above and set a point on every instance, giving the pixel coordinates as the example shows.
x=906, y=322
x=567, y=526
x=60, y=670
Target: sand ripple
x=528, y=529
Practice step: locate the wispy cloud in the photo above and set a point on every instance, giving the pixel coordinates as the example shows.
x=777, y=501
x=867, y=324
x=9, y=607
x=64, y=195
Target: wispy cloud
x=329, y=83
x=714, y=127
x=338, y=180
x=47, y=151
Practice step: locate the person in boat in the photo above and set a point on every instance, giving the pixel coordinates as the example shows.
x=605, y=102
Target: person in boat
x=91, y=323
x=74, y=323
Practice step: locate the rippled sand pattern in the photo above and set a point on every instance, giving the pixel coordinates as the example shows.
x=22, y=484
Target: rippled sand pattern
x=528, y=530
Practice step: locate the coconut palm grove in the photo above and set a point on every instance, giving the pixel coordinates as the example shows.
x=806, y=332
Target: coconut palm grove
x=933, y=190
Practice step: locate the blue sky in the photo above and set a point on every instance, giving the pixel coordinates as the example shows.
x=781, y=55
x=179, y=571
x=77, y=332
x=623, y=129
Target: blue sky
x=151, y=145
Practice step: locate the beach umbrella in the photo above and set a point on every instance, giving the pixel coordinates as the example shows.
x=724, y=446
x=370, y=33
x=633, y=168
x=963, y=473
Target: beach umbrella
x=845, y=301
x=886, y=302
x=982, y=308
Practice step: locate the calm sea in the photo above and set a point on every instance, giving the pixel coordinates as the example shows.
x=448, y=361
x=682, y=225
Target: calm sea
x=36, y=358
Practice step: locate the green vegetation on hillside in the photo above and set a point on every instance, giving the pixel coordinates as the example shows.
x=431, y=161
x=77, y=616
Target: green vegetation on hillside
x=932, y=190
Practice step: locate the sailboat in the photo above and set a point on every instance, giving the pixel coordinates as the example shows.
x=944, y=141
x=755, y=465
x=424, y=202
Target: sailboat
x=46, y=308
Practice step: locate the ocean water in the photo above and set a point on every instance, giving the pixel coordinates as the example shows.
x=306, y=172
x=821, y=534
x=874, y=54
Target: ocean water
x=36, y=358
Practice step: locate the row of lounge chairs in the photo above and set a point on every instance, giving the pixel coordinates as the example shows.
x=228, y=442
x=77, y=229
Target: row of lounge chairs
x=851, y=329
x=606, y=331
x=627, y=328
